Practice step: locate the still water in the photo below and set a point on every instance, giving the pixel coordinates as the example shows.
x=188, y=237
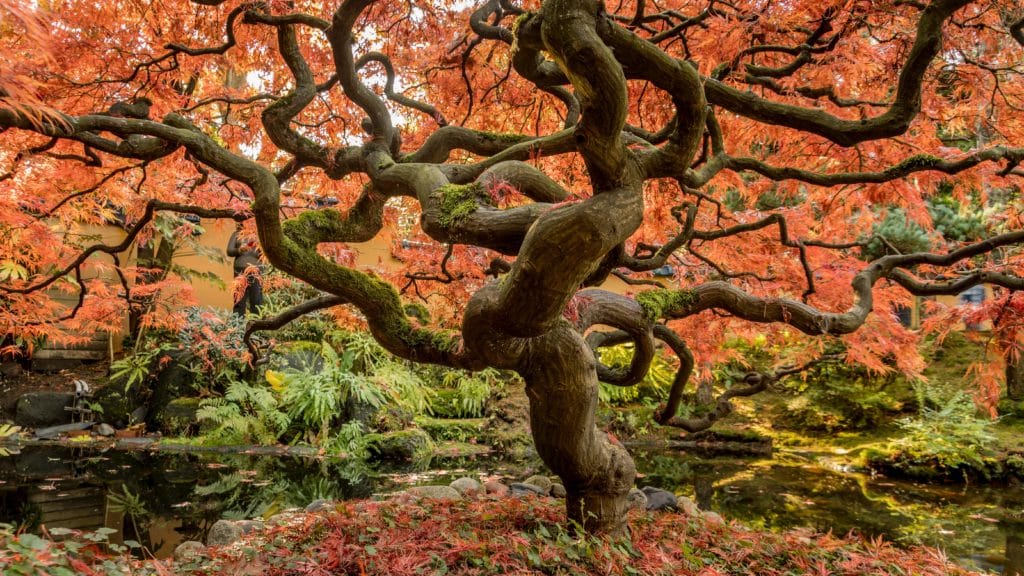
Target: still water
x=161, y=499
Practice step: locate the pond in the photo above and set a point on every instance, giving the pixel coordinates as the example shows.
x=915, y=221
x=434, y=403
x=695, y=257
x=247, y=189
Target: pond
x=161, y=499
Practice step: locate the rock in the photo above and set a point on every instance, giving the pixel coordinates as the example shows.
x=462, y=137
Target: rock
x=467, y=487
x=558, y=491
x=714, y=518
x=172, y=380
x=658, y=499
x=687, y=506
x=73, y=429
x=116, y=405
x=188, y=550
x=496, y=488
x=178, y=417
x=138, y=415
x=636, y=499
x=400, y=446
x=542, y=482
x=38, y=409
x=105, y=430
x=435, y=492
x=224, y=532
x=520, y=489
x=321, y=505
x=10, y=369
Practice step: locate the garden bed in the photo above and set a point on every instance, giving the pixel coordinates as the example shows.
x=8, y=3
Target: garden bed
x=493, y=536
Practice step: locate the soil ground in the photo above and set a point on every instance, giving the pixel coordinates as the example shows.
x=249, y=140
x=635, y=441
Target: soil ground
x=15, y=381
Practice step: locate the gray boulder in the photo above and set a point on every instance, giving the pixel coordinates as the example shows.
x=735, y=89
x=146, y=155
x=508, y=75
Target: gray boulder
x=636, y=499
x=689, y=507
x=188, y=550
x=542, y=482
x=658, y=499
x=38, y=409
x=496, y=488
x=520, y=489
x=467, y=487
x=321, y=505
x=224, y=532
x=435, y=492
x=558, y=491
x=106, y=430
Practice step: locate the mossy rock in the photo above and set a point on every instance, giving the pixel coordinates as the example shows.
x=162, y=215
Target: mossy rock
x=1009, y=407
x=174, y=380
x=178, y=417
x=393, y=419
x=446, y=403
x=401, y=446
x=900, y=465
x=116, y=405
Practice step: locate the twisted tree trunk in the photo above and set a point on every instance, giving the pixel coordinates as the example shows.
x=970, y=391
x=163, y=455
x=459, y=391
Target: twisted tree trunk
x=562, y=385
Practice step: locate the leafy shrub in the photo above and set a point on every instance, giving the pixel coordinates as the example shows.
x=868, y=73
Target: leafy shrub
x=245, y=414
x=655, y=385
x=835, y=396
x=942, y=441
x=901, y=235
x=462, y=394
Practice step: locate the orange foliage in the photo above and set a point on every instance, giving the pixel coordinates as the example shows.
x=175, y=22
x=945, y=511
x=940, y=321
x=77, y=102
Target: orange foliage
x=81, y=57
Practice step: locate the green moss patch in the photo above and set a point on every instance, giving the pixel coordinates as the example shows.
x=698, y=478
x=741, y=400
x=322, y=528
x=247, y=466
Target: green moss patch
x=658, y=303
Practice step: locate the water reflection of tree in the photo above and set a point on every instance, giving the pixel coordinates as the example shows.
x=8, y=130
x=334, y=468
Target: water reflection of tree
x=1014, y=529
x=766, y=494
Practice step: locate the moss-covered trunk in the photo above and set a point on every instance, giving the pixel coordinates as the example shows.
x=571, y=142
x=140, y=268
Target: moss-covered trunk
x=1015, y=378
x=562, y=385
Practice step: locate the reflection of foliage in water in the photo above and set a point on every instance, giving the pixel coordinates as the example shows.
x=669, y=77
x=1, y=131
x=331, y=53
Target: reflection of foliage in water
x=766, y=495
x=264, y=487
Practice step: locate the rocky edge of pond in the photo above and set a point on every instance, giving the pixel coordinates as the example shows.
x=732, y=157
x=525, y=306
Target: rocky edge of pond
x=228, y=532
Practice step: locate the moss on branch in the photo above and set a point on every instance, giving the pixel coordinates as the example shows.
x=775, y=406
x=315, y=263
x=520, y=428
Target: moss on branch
x=308, y=227
x=658, y=303
x=915, y=162
x=458, y=201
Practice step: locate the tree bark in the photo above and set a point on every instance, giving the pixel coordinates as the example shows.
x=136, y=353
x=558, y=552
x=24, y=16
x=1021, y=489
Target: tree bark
x=561, y=383
x=1015, y=378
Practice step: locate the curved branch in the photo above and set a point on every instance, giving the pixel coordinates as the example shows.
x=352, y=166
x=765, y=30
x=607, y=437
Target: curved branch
x=280, y=320
x=591, y=307
x=389, y=87
x=895, y=121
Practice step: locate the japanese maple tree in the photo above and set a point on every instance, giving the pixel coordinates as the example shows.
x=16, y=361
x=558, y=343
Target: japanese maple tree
x=544, y=147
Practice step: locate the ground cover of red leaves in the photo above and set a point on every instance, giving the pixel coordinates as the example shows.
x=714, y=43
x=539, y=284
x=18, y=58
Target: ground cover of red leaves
x=512, y=536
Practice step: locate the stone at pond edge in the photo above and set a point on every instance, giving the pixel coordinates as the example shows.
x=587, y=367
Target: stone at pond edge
x=188, y=550
x=558, y=491
x=117, y=405
x=520, y=489
x=224, y=532
x=398, y=446
x=435, y=492
x=714, y=518
x=37, y=409
x=687, y=506
x=496, y=488
x=636, y=499
x=321, y=505
x=468, y=487
x=658, y=499
x=542, y=482
x=105, y=430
